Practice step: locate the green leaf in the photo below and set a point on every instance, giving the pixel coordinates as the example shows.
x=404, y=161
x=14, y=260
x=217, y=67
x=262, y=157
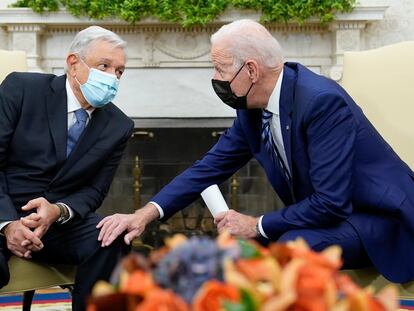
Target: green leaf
x=229, y=306
x=248, y=250
x=194, y=12
x=247, y=303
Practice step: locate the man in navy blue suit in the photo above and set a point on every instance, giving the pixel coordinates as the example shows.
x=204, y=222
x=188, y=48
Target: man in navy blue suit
x=340, y=181
x=61, y=140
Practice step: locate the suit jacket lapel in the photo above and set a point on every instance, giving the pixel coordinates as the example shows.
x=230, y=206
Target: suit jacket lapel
x=57, y=113
x=286, y=109
x=90, y=135
x=88, y=138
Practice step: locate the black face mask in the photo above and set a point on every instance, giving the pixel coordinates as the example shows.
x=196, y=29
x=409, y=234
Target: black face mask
x=224, y=91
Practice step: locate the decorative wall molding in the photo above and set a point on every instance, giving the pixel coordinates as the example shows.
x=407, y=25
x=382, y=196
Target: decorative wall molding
x=158, y=45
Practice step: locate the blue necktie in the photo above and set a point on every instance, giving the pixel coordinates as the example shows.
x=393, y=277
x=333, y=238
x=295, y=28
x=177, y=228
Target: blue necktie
x=270, y=144
x=76, y=129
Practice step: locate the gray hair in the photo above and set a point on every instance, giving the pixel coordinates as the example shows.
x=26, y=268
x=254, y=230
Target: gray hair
x=247, y=39
x=82, y=41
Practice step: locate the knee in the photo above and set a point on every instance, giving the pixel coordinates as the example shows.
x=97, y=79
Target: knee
x=291, y=235
x=92, y=248
x=119, y=245
x=4, y=280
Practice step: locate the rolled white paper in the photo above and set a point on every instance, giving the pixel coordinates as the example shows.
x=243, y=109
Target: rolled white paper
x=214, y=200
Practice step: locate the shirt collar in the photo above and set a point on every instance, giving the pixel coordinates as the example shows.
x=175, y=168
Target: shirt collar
x=73, y=102
x=274, y=99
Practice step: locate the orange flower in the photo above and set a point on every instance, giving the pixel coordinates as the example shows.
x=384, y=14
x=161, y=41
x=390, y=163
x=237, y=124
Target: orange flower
x=212, y=294
x=281, y=252
x=138, y=283
x=225, y=240
x=162, y=300
x=362, y=299
x=259, y=269
x=317, y=259
x=329, y=258
x=314, y=286
x=91, y=307
x=264, y=273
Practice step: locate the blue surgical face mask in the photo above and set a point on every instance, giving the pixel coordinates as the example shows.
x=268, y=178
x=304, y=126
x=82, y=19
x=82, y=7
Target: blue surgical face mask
x=100, y=88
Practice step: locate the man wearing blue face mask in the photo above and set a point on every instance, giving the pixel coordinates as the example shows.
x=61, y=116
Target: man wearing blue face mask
x=61, y=140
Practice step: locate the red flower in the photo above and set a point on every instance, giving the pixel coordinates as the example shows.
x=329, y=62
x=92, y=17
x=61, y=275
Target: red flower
x=162, y=300
x=138, y=283
x=212, y=294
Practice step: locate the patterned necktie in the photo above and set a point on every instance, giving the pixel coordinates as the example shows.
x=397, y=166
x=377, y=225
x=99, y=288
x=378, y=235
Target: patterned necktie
x=76, y=129
x=270, y=144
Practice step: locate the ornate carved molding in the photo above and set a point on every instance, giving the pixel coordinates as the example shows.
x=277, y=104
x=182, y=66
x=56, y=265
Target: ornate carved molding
x=346, y=25
x=25, y=28
x=26, y=37
x=160, y=46
x=184, y=46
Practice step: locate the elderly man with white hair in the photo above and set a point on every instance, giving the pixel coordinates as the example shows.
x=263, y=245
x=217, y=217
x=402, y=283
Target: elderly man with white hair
x=340, y=181
x=61, y=140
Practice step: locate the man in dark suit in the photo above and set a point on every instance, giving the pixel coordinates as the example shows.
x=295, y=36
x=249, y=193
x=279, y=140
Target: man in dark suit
x=340, y=181
x=61, y=140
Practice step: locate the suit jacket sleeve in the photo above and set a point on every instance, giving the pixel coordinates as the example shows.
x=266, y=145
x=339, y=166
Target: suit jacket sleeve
x=330, y=131
x=11, y=92
x=90, y=197
x=229, y=154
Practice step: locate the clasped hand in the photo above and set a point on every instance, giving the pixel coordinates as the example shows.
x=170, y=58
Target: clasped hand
x=24, y=236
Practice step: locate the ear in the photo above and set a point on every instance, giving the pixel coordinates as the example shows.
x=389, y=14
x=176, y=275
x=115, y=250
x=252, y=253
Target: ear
x=253, y=70
x=71, y=62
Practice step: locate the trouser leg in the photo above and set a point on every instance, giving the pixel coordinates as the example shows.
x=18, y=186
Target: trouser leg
x=76, y=242
x=353, y=252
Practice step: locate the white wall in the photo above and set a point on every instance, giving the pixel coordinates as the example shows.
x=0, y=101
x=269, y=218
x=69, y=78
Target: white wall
x=3, y=35
x=5, y=3
x=397, y=26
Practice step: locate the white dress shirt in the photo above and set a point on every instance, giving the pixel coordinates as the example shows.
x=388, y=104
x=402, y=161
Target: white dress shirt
x=73, y=104
x=273, y=107
x=275, y=127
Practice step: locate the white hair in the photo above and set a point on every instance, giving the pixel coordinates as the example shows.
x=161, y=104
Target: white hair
x=247, y=39
x=83, y=40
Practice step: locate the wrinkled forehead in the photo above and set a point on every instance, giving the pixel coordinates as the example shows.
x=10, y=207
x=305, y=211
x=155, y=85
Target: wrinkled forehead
x=101, y=49
x=104, y=48
x=221, y=54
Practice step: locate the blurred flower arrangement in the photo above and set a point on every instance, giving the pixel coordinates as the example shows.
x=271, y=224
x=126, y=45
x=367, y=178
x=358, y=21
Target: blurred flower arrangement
x=201, y=274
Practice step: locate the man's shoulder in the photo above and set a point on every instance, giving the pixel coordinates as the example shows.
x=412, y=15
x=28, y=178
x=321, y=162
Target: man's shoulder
x=18, y=81
x=117, y=114
x=311, y=84
x=114, y=111
x=33, y=77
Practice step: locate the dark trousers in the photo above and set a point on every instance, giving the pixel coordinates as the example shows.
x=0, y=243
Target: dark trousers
x=75, y=242
x=354, y=255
